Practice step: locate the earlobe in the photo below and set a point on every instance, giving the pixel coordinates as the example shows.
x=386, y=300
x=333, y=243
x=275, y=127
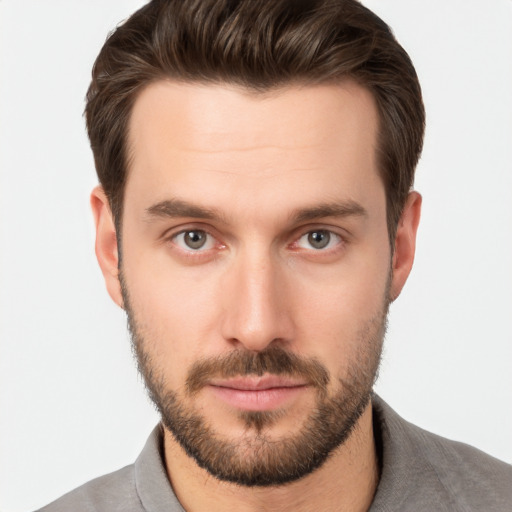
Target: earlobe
x=405, y=243
x=106, y=244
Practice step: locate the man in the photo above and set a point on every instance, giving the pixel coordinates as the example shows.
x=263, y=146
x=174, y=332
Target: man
x=255, y=219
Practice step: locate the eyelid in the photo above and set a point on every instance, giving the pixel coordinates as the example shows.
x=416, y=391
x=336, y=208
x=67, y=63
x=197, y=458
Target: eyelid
x=334, y=239
x=171, y=234
x=183, y=227
x=208, y=245
x=342, y=238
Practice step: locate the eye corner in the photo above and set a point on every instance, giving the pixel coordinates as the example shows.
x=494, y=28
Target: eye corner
x=319, y=239
x=333, y=244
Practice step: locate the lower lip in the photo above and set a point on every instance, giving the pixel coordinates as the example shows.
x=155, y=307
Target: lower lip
x=257, y=400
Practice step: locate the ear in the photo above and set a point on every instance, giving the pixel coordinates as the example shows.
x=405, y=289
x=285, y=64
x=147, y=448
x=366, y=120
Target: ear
x=405, y=243
x=106, y=243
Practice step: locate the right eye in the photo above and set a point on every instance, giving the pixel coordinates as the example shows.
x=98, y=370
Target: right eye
x=319, y=239
x=194, y=240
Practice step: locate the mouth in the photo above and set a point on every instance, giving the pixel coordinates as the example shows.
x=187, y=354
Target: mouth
x=264, y=393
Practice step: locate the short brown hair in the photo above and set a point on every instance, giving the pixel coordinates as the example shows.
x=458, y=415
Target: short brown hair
x=260, y=45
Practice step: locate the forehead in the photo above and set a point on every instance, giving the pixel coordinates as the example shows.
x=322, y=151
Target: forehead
x=315, y=140
x=209, y=116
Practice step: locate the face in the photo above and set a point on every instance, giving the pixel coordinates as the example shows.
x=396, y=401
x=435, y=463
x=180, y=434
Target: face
x=256, y=270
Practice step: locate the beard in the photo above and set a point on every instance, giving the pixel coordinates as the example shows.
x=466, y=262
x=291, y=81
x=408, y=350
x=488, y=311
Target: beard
x=257, y=458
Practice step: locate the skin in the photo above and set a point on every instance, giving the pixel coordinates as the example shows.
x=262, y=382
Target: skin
x=258, y=161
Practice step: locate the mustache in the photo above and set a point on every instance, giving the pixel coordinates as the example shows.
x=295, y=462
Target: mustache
x=274, y=360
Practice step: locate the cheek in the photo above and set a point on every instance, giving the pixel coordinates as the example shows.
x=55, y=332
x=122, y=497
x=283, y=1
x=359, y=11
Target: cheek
x=343, y=310
x=175, y=315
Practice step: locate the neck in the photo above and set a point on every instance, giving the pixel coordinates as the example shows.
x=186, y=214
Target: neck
x=345, y=482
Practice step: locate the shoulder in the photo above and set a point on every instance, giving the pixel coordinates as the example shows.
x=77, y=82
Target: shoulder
x=141, y=486
x=114, y=492
x=424, y=469
x=473, y=479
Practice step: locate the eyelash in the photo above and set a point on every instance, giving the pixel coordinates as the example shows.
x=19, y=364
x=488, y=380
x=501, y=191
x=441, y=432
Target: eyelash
x=190, y=252
x=332, y=238
x=339, y=242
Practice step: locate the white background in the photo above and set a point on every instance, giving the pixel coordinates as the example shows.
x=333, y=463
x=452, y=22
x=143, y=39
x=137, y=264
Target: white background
x=71, y=404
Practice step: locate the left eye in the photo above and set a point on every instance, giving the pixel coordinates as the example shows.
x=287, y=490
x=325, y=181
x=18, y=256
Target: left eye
x=319, y=239
x=194, y=240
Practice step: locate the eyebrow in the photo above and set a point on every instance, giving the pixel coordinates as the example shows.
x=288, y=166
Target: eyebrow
x=177, y=208
x=172, y=208
x=334, y=209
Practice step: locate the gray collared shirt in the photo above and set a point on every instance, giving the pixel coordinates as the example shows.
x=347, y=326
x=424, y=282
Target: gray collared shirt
x=419, y=472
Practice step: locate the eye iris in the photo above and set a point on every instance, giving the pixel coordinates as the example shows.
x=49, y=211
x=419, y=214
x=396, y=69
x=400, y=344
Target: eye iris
x=319, y=239
x=195, y=239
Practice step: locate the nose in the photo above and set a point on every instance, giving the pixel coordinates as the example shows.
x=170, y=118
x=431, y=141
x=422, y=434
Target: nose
x=257, y=303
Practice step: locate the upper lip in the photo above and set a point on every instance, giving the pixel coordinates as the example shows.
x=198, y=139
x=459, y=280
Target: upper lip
x=256, y=383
